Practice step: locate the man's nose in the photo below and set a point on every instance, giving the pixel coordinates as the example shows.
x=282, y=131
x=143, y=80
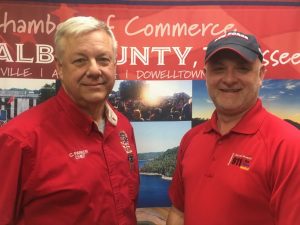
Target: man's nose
x=229, y=76
x=94, y=68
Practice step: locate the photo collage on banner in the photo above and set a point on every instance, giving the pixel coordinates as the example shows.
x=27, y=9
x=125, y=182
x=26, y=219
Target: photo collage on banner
x=161, y=85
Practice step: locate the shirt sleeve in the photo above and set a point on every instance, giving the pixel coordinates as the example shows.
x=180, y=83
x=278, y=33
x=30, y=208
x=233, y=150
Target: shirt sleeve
x=176, y=190
x=285, y=180
x=10, y=173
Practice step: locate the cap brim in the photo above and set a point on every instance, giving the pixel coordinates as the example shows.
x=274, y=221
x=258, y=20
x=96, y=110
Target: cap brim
x=245, y=53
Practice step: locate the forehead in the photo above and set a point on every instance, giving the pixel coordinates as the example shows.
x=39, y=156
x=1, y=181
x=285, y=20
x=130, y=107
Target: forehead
x=227, y=55
x=94, y=36
x=92, y=41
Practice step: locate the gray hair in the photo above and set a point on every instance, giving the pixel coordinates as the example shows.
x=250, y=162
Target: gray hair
x=80, y=25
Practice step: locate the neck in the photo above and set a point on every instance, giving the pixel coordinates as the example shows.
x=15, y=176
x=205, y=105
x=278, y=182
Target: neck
x=94, y=109
x=96, y=112
x=226, y=123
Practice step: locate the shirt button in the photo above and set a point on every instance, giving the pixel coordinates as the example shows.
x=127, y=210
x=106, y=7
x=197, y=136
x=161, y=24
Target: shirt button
x=209, y=175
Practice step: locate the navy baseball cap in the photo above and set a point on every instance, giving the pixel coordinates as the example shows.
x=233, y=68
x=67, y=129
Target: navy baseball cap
x=245, y=45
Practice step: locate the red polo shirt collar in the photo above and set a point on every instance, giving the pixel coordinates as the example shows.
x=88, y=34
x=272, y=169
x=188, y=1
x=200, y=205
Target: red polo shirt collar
x=249, y=124
x=77, y=116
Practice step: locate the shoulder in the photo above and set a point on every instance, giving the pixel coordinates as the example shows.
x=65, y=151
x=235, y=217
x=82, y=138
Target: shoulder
x=122, y=121
x=279, y=136
x=121, y=116
x=189, y=136
x=276, y=127
x=25, y=123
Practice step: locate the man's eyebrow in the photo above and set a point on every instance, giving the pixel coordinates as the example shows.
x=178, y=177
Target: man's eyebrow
x=215, y=62
x=244, y=62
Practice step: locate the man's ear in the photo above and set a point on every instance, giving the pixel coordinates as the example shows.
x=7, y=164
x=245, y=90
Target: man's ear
x=262, y=72
x=205, y=72
x=58, y=66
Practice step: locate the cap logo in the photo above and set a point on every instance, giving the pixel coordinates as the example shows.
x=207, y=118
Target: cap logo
x=237, y=34
x=244, y=45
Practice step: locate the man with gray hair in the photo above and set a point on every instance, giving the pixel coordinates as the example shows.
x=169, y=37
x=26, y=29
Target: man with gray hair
x=72, y=159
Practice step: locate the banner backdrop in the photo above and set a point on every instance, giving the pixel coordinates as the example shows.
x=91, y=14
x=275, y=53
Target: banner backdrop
x=161, y=86
x=155, y=42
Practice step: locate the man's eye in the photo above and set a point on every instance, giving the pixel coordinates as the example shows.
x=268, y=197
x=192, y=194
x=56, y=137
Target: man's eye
x=103, y=61
x=79, y=61
x=243, y=69
x=218, y=69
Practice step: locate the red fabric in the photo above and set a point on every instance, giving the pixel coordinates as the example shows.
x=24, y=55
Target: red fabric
x=249, y=176
x=157, y=41
x=57, y=168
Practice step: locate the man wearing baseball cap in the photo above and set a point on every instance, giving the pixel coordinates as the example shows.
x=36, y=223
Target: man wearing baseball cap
x=241, y=167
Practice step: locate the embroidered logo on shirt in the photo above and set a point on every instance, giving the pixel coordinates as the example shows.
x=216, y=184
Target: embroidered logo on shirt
x=241, y=161
x=125, y=144
x=81, y=154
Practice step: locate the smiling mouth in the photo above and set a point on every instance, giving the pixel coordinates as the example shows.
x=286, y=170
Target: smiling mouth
x=230, y=90
x=93, y=85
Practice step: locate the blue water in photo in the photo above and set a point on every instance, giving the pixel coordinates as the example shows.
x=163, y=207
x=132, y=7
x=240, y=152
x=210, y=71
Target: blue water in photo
x=153, y=191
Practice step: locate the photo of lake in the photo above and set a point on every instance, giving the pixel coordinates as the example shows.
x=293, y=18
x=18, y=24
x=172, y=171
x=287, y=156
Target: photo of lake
x=157, y=145
x=153, y=192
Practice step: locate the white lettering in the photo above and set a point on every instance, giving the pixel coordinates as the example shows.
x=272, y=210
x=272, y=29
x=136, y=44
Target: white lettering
x=108, y=21
x=183, y=56
x=170, y=74
x=174, y=30
x=44, y=54
x=135, y=53
x=277, y=58
x=22, y=26
x=161, y=51
x=144, y=56
x=20, y=57
x=14, y=72
x=79, y=154
x=4, y=53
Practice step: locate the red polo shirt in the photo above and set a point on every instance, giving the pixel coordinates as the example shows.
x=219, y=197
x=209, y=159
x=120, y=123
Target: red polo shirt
x=56, y=168
x=250, y=176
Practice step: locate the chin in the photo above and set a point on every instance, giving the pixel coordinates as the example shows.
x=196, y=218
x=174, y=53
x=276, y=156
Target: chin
x=229, y=107
x=95, y=98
